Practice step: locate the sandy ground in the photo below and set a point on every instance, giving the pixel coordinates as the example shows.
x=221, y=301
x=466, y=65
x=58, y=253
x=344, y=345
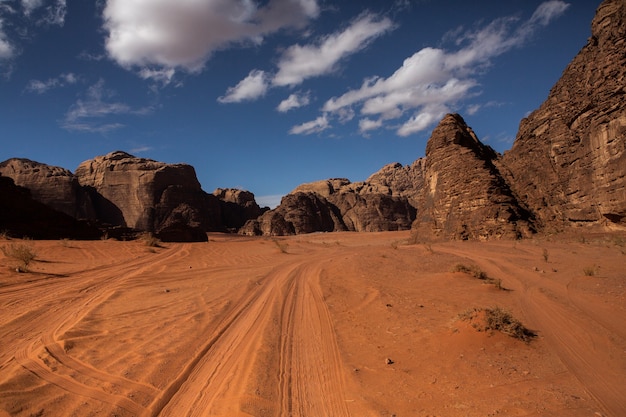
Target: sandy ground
x=326, y=325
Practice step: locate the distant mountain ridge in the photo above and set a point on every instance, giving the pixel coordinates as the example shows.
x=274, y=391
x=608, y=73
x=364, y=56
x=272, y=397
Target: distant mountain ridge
x=567, y=168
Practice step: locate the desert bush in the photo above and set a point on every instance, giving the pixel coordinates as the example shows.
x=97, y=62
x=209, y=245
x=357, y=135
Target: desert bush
x=589, y=271
x=21, y=252
x=477, y=273
x=282, y=246
x=150, y=240
x=497, y=319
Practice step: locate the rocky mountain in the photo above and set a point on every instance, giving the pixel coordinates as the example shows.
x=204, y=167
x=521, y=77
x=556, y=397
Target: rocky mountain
x=119, y=190
x=336, y=205
x=568, y=162
x=22, y=216
x=237, y=207
x=464, y=195
x=148, y=195
x=54, y=186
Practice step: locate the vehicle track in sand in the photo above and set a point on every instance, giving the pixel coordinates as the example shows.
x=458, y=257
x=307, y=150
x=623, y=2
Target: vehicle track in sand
x=308, y=370
x=585, y=340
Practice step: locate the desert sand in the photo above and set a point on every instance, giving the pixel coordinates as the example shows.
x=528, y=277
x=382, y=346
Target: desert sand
x=338, y=324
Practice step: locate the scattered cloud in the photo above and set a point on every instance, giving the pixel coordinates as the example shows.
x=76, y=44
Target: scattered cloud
x=315, y=126
x=301, y=62
x=48, y=12
x=252, y=87
x=86, y=114
x=433, y=80
x=40, y=87
x=294, y=101
x=6, y=48
x=184, y=34
x=160, y=76
x=140, y=149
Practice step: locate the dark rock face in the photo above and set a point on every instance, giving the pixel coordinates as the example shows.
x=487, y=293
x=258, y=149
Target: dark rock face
x=53, y=186
x=237, y=207
x=148, y=195
x=569, y=156
x=335, y=205
x=21, y=216
x=299, y=212
x=464, y=196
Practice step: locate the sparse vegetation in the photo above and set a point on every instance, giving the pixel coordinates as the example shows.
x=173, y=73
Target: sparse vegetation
x=4, y=235
x=477, y=273
x=497, y=319
x=282, y=246
x=589, y=271
x=21, y=252
x=546, y=255
x=150, y=240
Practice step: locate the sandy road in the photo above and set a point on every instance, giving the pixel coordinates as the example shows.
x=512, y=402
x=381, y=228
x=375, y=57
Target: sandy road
x=588, y=338
x=303, y=326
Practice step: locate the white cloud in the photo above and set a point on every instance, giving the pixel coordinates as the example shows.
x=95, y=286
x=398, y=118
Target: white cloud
x=433, y=79
x=6, y=48
x=184, y=33
x=301, y=62
x=40, y=87
x=53, y=13
x=86, y=114
x=162, y=76
x=314, y=126
x=252, y=87
x=294, y=101
x=366, y=125
x=548, y=11
x=30, y=5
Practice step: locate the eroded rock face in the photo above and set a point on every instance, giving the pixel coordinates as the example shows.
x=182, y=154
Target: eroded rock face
x=238, y=206
x=148, y=195
x=22, y=216
x=336, y=205
x=464, y=196
x=53, y=186
x=568, y=160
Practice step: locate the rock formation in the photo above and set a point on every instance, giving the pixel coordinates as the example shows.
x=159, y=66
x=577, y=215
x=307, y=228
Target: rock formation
x=54, y=186
x=22, y=216
x=147, y=195
x=463, y=195
x=568, y=160
x=237, y=207
x=335, y=205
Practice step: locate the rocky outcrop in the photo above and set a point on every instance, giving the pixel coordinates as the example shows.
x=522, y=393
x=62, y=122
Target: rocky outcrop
x=53, y=186
x=148, y=195
x=335, y=205
x=464, y=196
x=568, y=160
x=398, y=180
x=237, y=207
x=22, y=216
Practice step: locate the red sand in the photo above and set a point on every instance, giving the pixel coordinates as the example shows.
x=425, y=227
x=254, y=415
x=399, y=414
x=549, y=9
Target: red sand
x=306, y=326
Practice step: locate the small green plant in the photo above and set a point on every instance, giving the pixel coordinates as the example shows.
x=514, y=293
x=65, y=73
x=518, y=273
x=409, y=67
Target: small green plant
x=21, y=252
x=546, y=255
x=589, y=271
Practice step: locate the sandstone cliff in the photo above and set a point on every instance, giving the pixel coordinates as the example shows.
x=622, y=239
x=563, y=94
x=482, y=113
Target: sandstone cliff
x=568, y=162
x=237, y=207
x=336, y=205
x=54, y=186
x=464, y=196
x=147, y=195
x=22, y=216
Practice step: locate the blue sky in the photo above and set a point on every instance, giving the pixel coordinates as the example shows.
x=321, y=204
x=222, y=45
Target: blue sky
x=266, y=95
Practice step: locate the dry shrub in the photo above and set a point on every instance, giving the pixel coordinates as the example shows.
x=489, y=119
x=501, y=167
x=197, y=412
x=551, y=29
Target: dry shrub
x=477, y=273
x=282, y=246
x=150, y=240
x=21, y=252
x=497, y=319
x=589, y=271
